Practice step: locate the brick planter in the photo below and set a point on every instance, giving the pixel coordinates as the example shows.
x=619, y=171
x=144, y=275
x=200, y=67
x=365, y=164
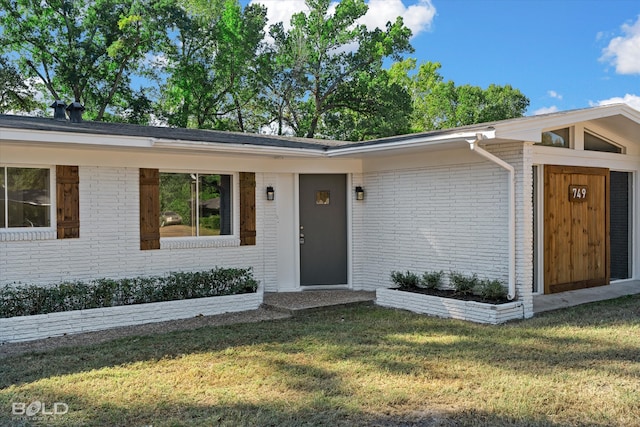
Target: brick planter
x=27, y=328
x=450, y=308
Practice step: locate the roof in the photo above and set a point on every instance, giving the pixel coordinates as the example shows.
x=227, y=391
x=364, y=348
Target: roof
x=160, y=133
x=618, y=118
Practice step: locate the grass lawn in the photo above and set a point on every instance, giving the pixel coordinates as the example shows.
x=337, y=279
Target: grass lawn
x=348, y=366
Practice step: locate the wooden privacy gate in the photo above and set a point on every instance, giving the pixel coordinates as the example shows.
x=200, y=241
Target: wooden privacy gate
x=576, y=228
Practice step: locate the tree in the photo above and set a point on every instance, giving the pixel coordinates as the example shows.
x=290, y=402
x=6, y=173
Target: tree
x=439, y=104
x=84, y=50
x=374, y=107
x=215, y=66
x=329, y=64
x=15, y=94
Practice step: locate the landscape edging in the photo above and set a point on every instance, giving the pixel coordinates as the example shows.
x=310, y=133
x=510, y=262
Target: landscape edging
x=27, y=328
x=472, y=311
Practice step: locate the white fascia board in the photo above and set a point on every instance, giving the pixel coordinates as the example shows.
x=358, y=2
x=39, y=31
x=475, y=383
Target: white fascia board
x=424, y=141
x=531, y=128
x=238, y=148
x=56, y=137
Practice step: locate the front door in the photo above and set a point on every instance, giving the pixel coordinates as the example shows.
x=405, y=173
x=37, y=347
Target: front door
x=323, y=230
x=576, y=228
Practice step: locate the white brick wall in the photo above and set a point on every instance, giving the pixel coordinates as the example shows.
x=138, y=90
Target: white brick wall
x=450, y=308
x=267, y=229
x=358, y=231
x=520, y=156
x=109, y=243
x=26, y=328
x=451, y=217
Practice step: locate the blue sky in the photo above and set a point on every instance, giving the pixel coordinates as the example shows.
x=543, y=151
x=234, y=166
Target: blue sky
x=562, y=54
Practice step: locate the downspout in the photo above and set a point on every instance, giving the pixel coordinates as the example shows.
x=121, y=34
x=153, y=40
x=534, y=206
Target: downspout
x=473, y=145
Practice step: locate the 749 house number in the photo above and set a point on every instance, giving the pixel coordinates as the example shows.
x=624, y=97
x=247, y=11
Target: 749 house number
x=578, y=193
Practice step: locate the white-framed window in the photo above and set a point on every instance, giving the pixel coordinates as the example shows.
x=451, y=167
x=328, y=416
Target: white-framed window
x=557, y=138
x=594, y=142
x=196, y=204
x=26, y=197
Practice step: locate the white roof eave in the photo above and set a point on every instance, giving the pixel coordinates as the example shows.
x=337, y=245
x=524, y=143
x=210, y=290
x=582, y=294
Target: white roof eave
x=183, y=145
x=58, y=137
x=413, y=143
x=531, y=128
x=119, y=141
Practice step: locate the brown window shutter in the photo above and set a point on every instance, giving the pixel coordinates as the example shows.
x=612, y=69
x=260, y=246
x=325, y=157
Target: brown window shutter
x=67, y=202
x=149, y=209
x=247, y=208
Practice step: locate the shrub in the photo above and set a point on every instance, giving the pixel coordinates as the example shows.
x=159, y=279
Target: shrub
x=211, y=222
x=463, y=285
x=406, y=280
x=432, y=280
x=492, y=290
x=21, y=300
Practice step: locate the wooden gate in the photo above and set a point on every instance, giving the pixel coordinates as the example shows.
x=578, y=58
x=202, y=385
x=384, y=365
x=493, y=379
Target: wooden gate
x=576, y=228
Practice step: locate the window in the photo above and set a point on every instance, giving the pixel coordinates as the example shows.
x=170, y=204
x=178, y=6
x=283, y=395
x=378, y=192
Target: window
x=595, y=143
x=193, y=204
x=25, y=197
x=556, y=138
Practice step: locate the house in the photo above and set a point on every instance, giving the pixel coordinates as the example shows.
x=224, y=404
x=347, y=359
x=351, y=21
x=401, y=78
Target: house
x=545, y=203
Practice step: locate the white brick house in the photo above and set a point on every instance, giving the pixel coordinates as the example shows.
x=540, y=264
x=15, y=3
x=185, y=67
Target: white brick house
x=545, y=203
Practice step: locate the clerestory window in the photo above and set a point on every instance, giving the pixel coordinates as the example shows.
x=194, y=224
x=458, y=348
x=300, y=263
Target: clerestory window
x=557, y=138
x=596, y=143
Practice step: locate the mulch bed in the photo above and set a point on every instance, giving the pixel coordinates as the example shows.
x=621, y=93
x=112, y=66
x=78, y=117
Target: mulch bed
x=450, y=293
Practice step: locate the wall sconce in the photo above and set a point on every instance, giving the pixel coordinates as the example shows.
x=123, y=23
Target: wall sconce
x=271, y=194
x=359, y=193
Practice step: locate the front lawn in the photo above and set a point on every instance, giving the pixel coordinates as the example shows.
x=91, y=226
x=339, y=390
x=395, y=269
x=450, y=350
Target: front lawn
x=348, y=366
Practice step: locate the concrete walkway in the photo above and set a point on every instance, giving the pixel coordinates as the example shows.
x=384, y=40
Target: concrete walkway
x=294, y=302
x=542, y=303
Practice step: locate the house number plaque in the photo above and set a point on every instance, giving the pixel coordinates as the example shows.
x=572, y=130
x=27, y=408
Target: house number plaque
x=578, y=193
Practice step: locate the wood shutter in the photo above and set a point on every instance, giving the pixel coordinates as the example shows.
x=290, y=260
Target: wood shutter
x=149, y=209
x=247, y=208
x=67, y=202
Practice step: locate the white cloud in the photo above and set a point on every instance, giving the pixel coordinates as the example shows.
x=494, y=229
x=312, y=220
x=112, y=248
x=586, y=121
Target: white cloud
x=631, y=100
x=554, y=94
x=418, y=17
x=624, y=52
x=282, y=11
x=545, y=110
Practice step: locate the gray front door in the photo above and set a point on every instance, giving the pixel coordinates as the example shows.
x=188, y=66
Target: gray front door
x=323, y=230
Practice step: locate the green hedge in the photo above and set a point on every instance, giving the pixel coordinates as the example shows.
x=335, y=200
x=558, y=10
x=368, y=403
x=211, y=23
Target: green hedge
x=25, y=300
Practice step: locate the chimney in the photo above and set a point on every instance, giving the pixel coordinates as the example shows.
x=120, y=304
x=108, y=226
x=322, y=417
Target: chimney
x=75, y=110
x=58, y=110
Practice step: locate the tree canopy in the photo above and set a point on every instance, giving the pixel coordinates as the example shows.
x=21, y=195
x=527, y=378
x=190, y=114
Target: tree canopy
x=440, y=104
x=333, y=65
x=15, y=93
x=84, y=50
x=215, y=64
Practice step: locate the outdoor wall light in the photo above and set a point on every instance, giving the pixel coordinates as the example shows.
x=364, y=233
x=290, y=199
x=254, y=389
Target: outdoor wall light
x=271, y=194
x=359, y=193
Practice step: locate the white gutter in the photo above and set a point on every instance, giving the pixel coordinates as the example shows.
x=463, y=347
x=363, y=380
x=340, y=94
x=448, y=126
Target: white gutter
x=237, y=148
x=409, y=143
x=49, y=137
x=473, y=145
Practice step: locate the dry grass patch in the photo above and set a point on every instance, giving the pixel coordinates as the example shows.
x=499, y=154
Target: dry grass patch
x=375, y=367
